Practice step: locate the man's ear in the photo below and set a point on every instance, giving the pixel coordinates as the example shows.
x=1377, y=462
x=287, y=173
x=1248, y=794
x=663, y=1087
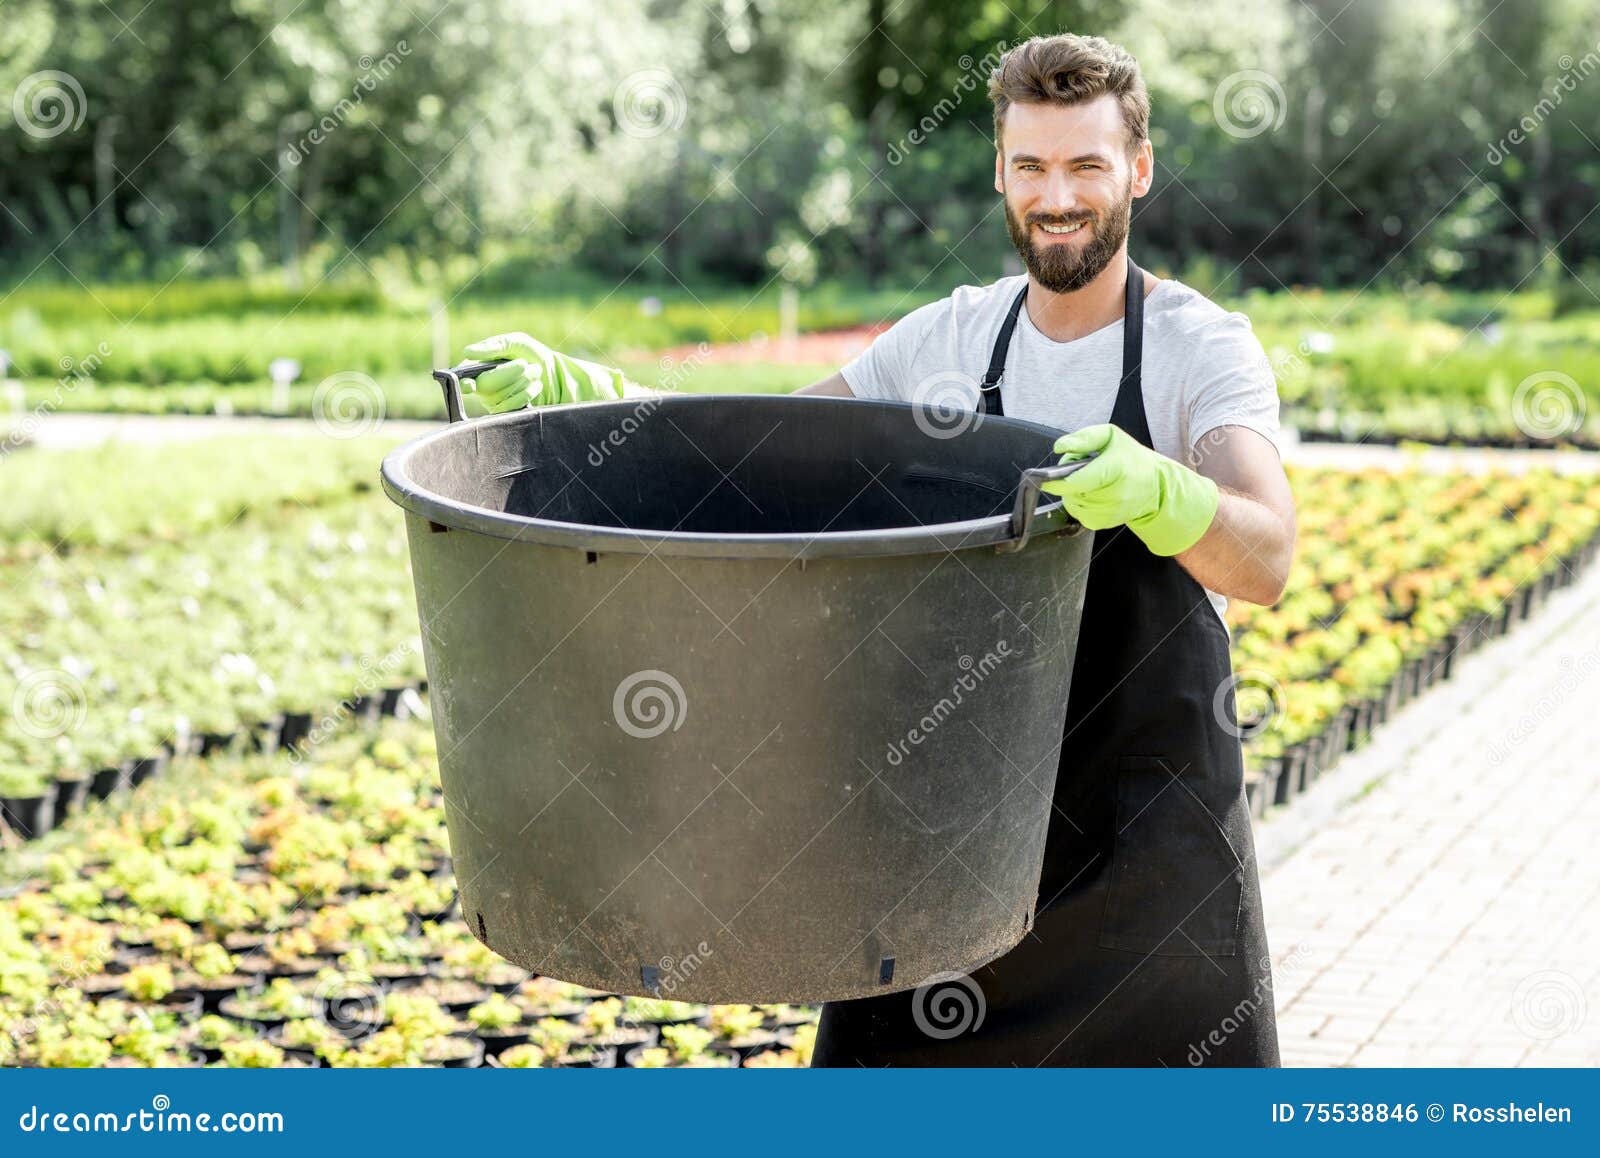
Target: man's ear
x=999, y=161
x=1144, y=168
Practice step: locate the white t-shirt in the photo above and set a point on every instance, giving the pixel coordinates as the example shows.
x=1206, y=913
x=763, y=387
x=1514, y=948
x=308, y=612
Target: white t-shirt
x=1203, y=367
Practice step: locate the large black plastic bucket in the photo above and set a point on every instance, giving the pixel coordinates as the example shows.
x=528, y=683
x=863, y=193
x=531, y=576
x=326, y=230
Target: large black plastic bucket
x=744, y=698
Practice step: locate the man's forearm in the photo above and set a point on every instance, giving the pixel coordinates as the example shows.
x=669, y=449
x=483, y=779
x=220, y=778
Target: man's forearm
x=1245, y=553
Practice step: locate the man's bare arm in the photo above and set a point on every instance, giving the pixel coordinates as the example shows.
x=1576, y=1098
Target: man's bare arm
x=834, y=386
x=1247, y=550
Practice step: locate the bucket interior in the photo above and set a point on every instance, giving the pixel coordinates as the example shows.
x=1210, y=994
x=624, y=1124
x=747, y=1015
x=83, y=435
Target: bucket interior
x=735, y=465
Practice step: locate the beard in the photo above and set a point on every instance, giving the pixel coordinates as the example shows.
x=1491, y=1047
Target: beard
x=1064, y=266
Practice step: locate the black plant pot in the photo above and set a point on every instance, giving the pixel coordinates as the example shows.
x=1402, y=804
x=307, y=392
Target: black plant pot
x=296, y=727
x=389, y=700
x=364, y=708
x=211, y=742
x=72, y=797
x=147, y=768
x=1293, y=768
x=30, y=817
x=107, y=781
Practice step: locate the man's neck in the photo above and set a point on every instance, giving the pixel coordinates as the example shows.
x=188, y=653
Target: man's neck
x=1066, y=317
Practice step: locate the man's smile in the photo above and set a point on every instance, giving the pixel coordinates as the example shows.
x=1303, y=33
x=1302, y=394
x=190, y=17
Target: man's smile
x=1062, y=230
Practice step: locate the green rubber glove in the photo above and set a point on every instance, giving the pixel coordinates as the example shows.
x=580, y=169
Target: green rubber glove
x=535, y=376
x=1165, y=503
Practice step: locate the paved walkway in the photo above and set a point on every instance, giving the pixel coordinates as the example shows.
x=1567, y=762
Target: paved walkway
x=1434, y=900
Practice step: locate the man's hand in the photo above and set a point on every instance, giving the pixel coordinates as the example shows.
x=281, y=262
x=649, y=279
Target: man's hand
x=1165, y=503
x=536, y=376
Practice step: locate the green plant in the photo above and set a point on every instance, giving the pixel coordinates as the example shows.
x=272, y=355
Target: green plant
x=254, y=1055
x=497, y=1012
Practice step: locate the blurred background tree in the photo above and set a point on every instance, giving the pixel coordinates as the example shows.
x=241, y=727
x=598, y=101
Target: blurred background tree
x=494, y=141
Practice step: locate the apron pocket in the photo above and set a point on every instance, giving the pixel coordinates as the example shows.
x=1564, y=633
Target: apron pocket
x=1176, y=884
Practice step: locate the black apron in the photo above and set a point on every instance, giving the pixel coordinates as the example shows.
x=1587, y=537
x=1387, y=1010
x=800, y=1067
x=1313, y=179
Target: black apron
x=1148, y=947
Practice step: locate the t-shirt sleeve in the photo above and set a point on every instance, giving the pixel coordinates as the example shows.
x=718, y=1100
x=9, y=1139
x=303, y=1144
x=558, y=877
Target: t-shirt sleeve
x=885, y=369
x=1231, y=383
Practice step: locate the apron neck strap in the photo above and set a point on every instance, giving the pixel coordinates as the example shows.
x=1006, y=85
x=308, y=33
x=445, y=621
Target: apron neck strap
x=1128, y=412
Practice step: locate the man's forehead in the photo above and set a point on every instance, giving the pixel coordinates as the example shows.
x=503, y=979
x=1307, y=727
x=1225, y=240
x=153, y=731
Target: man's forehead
x=1063, y=131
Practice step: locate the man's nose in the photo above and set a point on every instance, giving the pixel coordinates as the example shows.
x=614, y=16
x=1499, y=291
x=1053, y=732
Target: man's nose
x=1059, y=195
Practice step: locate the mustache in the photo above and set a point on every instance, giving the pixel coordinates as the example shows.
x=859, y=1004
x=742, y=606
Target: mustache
x=1057, y=219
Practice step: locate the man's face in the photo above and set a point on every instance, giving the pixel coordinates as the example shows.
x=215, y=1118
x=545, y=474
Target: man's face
x=1069, y=185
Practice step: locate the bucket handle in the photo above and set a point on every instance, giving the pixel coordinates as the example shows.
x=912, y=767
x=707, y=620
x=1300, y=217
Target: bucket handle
x=1027, y=503
x=451, y=381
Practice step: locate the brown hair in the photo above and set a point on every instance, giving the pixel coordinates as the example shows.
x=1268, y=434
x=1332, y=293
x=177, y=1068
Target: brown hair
x=1070, y=70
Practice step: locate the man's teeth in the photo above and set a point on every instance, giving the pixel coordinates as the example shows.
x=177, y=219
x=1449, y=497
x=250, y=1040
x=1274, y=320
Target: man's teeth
x=1063, y=228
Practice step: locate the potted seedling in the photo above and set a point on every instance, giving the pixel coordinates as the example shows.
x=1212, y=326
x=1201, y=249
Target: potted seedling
x=682, y=1044
x=547, y=997
x=499, y=1024
x=310, y=1038
x=212, y=1032
x=279, y=1002
x=153, y=984
x=662, y=1013
x=256, y=1055
x=742, y=1028
x=520, y=1057
x=212, y=974
x=561, y=1042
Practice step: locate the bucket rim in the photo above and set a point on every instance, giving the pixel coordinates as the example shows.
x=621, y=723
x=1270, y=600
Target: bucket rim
x=1051, y=516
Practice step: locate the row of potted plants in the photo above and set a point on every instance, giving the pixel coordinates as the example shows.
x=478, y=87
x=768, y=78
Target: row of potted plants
x=114, y=662
x=304, y=915
x=123, y=496
x=1396, y=575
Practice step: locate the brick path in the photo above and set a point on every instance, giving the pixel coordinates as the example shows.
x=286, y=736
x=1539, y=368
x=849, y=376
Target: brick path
x=1434, y=900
